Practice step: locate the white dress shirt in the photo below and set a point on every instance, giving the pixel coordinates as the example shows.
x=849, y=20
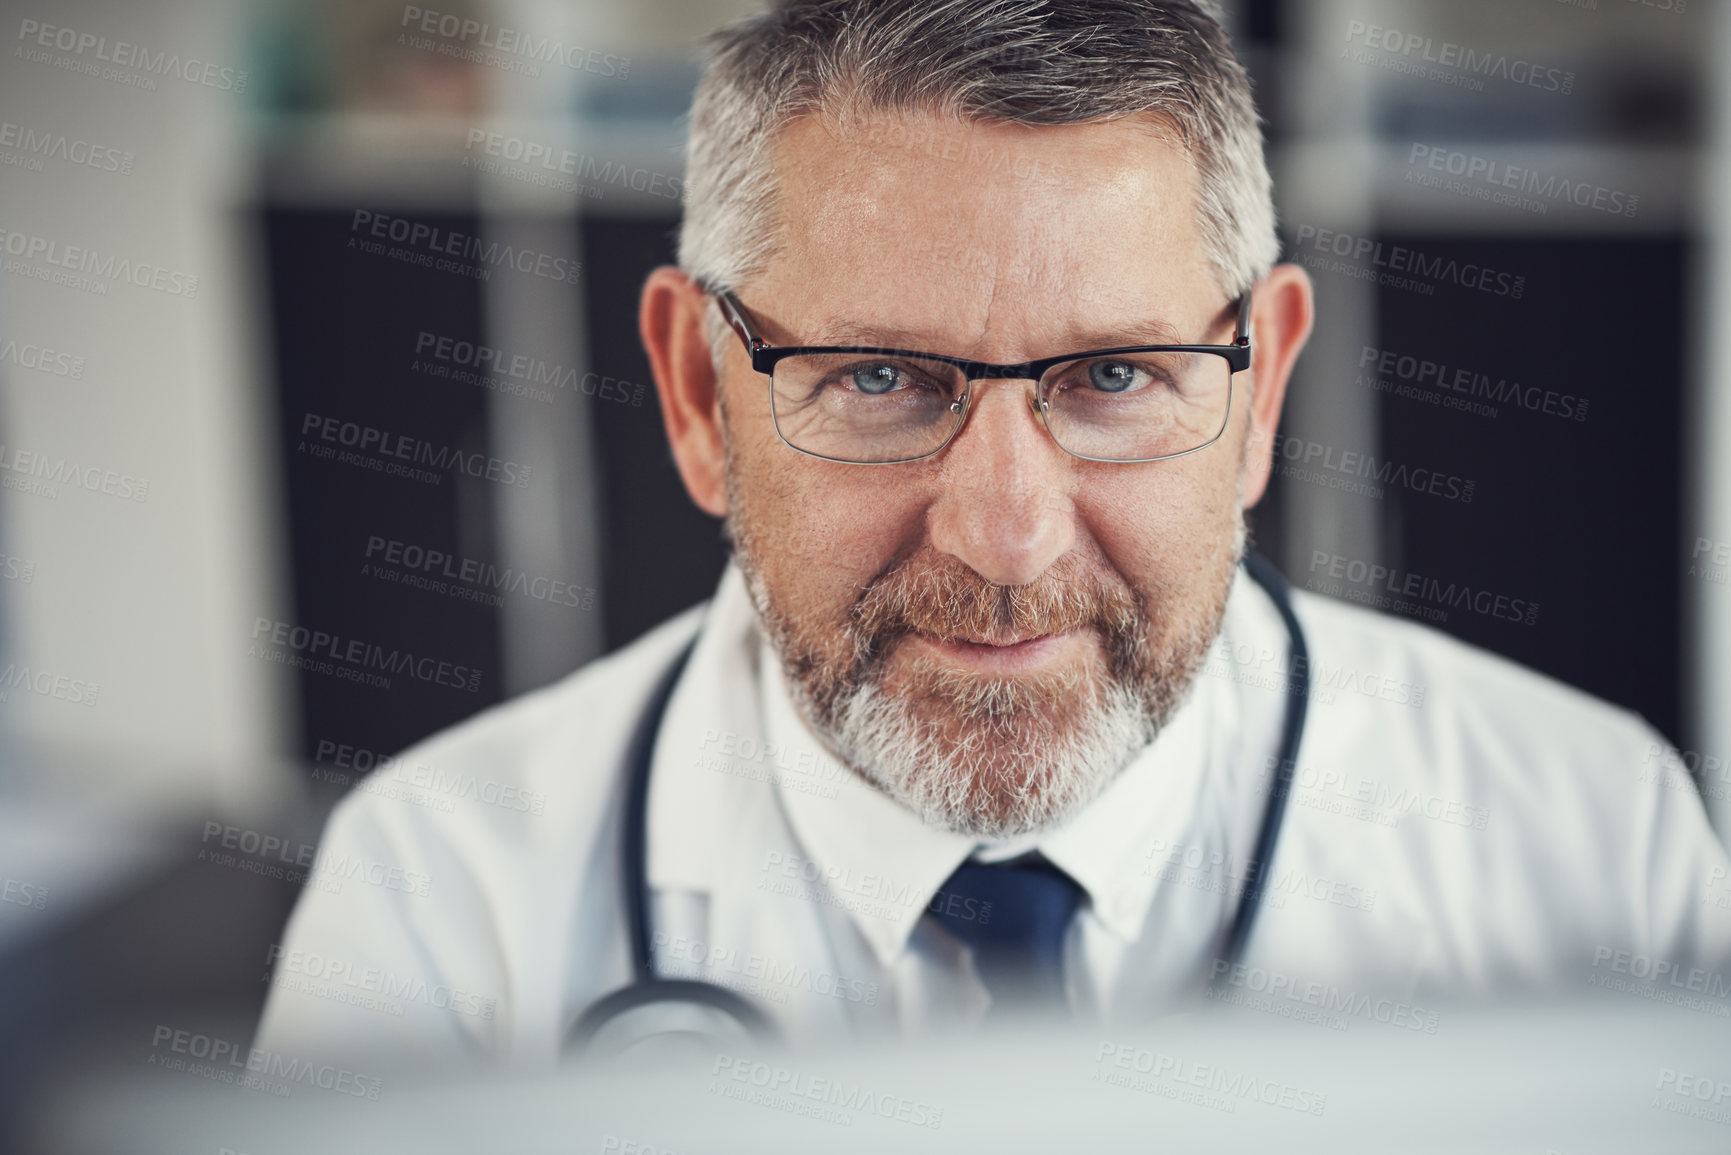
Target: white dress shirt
x=1458, y=825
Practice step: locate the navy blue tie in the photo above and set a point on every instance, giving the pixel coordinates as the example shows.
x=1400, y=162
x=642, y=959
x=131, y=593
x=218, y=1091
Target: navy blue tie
x=1013, y=915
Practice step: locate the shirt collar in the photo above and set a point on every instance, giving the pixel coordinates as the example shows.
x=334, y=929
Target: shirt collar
x=882, y=864
x=1193, y=790
x=1156, y=801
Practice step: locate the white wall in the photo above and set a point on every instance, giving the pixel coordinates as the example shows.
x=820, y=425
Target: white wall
x=153, y=600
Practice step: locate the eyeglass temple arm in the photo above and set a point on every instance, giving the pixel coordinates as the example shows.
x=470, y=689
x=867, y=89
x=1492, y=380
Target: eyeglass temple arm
x=1242, y=335
x=734, y=315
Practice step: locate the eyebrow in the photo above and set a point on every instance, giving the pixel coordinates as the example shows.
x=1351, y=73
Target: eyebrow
x=841, y=332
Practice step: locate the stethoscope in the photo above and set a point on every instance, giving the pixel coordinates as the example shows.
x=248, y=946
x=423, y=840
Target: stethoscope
x=689, y=1007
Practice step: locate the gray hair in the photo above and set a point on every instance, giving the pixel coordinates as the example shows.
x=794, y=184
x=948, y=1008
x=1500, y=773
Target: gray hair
x=1034, y=62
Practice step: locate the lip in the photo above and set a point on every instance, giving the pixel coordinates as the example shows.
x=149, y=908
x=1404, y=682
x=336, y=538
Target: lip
x=1010, y=657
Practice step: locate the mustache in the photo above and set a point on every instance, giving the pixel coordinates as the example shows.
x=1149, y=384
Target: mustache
x=941, y=597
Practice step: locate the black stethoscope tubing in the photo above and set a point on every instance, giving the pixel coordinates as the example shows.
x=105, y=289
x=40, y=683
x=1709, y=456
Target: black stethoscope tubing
x=647, y=987
x=1262, y=571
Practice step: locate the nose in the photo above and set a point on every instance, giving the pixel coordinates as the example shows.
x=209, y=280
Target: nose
x=1004, y=507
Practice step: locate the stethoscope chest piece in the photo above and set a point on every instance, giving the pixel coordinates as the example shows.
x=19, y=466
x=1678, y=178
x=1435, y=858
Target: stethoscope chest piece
x=664, y=1020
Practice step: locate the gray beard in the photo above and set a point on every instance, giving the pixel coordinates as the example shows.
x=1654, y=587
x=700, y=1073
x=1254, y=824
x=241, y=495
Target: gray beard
x=969, y=786
x=1000, y=758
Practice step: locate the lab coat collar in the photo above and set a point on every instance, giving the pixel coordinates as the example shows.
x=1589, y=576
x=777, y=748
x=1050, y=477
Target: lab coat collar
x=713, y=713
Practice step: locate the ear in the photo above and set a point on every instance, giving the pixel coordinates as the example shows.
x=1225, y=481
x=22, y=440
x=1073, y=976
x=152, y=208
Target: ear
x=670, y=319
x=1281, y=313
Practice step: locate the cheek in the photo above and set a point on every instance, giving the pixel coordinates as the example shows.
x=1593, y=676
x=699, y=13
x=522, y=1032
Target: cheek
x=822, y=530
x=1165, y=526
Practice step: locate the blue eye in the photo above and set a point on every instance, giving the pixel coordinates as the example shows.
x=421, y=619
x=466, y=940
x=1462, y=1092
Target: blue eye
x=1111, y=376
x=875, y=379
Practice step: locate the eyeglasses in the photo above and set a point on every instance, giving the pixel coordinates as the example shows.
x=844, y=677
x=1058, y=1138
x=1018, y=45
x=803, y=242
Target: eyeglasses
x=872, y=406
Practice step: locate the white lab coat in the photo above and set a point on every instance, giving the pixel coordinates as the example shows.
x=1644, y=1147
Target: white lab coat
x=1459, y=826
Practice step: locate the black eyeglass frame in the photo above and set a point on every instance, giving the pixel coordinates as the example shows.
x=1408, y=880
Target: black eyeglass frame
x=765, y=357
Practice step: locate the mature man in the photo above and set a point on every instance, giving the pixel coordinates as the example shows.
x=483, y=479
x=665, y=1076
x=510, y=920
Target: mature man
x=987, y=714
